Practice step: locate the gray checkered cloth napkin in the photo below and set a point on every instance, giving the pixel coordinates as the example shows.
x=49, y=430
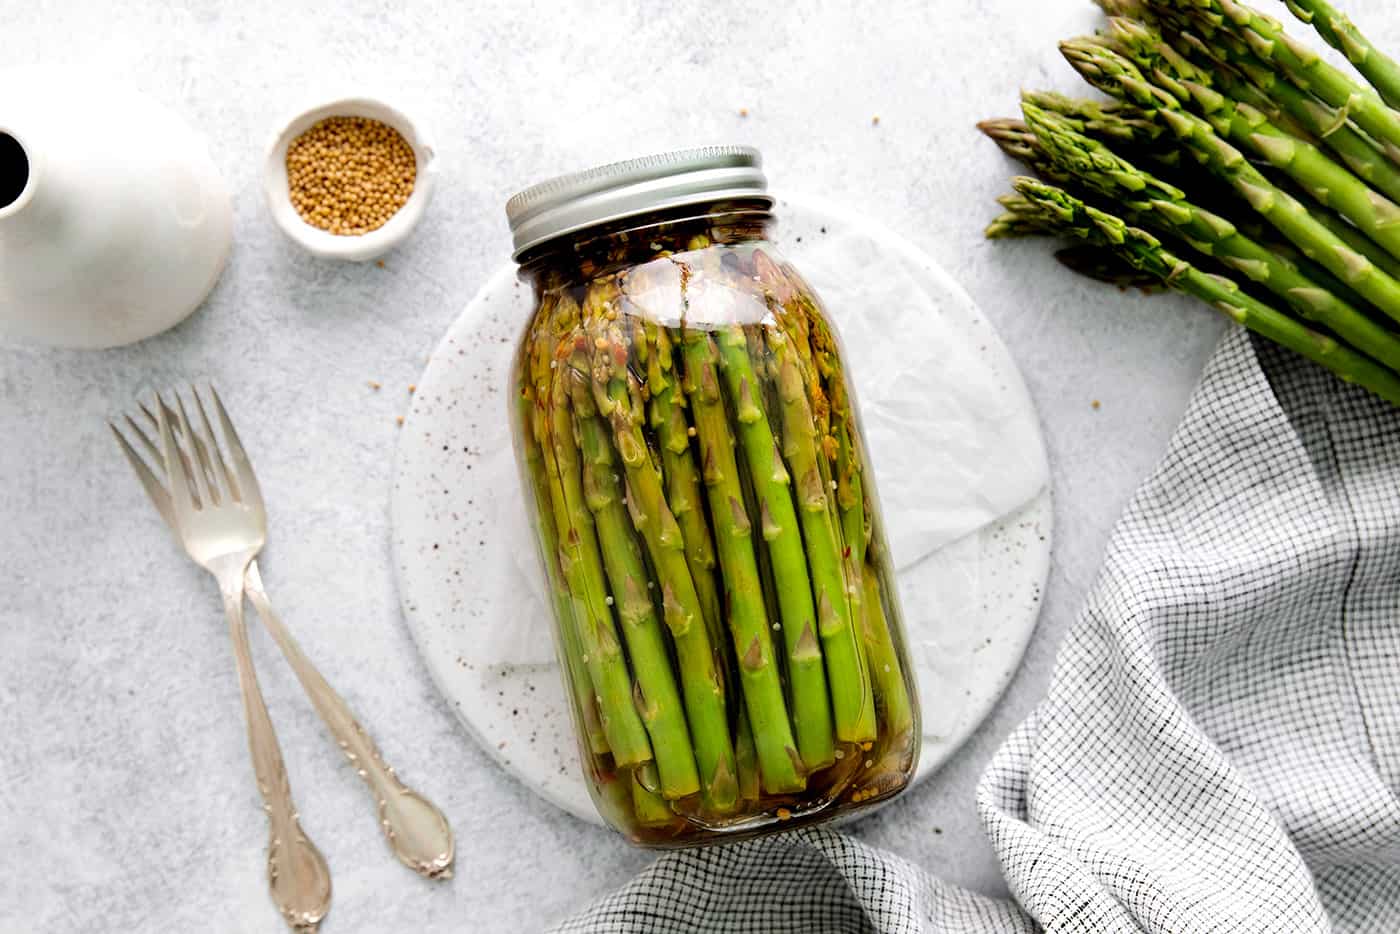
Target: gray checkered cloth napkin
x=1220, y=747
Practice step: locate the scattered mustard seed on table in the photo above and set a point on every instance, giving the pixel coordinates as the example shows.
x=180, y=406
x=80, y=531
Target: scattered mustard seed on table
x=349, y=175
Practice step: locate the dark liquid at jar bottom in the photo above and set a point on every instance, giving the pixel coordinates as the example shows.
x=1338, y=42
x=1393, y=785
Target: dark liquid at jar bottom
x=710, y=529
x=861, y=776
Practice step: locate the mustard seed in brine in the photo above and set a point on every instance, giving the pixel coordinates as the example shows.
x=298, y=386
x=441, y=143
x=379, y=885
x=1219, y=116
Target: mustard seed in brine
x=349, y=175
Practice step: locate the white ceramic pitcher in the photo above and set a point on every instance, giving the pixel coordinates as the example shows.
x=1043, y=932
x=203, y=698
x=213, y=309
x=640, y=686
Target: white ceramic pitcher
x=114, y=222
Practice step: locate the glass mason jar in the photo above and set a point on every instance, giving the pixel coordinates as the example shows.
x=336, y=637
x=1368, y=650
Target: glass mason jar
x=724, y=601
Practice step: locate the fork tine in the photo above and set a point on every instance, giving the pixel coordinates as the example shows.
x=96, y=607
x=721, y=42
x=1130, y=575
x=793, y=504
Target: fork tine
x=147, y=444
x=230, y=483
x=160, y=498
x=247, y=480
x=202, y=454
x=174, y=420
x=145, y=409
x=175, y=469
x=204, y=479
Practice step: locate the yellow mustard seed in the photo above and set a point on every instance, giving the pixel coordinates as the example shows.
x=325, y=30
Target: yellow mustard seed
x=350, y=175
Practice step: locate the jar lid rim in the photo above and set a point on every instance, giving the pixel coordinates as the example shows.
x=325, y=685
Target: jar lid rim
x=573, y=202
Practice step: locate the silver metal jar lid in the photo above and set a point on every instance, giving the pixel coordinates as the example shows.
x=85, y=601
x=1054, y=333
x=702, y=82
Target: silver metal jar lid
x=623, y=189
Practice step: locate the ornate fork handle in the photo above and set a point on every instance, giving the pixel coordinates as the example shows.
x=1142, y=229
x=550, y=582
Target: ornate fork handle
x=415, y=829
x=296, y=871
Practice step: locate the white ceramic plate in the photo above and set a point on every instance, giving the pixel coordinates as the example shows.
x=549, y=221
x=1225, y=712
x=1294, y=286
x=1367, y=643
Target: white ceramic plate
x=469, y=580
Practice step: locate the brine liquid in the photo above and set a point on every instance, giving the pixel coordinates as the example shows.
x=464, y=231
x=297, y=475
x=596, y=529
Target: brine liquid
x=697, y=399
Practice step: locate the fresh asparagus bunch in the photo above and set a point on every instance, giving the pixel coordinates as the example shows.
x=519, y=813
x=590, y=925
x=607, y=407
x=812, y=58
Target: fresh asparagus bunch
x=1214, y=104
x=1076, y=219
x=724, y=603
x=1019, y=143
x=1266, y=36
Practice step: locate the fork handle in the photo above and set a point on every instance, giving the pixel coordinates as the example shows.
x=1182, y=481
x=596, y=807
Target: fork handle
x=296, y=870
x=415, y=829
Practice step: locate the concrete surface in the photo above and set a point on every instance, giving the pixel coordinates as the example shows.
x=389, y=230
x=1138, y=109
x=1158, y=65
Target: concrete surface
x=126, y=799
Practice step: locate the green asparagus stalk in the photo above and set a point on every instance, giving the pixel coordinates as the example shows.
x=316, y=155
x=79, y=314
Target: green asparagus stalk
x=817, y=358
x=682, y=478
x=585, y=699
x=1146, y=253
x=793, y=304
x=581, y=563
x=768, y=582
x=1021, y=219
x=891, y=692
x=1131, y=9
x=1108, y=121
x=1018, y=142
x=806, y=603
x=1304, y=66
x=1113, y=73
x=648, y=804
x=1012, y=225
x=810, y=706
x=746, y=759
x=1156, y=52
x=618, y=397
x=1341, y=34
x=657, y=698
x=750, y=783
x=780, y=765
x=853, y=706
x=1235, y=67
x=1140, y=193
x=1248, y=127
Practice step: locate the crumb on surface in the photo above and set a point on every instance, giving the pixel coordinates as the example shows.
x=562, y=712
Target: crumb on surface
x=1095, y=404
x=398, y=419
x=379, y=263
x=375, y=384
x=412, y=387
x=743, y=111
x=875, y=120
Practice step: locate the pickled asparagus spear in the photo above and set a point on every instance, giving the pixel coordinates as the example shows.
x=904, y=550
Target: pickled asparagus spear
x=585, y=699
x=746, y=759
x=582, y=565
x=682, y=478
x=780, y=764
x=618, y=397
x=650, y=806
x=810, y=704
x=657, y=698
x=891, y=692
x=853, y=704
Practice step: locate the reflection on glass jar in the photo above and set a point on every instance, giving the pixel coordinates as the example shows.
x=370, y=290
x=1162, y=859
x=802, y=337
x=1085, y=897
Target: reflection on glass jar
x=724, y=601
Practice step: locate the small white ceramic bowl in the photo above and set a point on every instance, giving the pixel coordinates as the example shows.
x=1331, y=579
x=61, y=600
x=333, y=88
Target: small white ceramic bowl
x=360, y=247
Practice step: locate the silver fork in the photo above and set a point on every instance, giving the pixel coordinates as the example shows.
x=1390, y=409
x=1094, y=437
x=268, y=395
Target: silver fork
x=415, y=829
x=218, y=518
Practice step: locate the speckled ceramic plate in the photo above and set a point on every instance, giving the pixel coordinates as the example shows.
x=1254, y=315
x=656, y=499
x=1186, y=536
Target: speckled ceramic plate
x=471, y=586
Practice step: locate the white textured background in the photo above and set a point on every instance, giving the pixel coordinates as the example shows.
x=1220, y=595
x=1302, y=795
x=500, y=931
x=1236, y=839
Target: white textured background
x=126, y=799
